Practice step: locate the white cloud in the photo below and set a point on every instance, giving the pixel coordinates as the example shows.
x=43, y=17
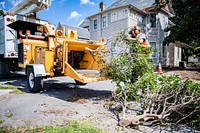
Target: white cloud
x=85, y=2
x=2, y=4
x=74, y=15
x=15, y=2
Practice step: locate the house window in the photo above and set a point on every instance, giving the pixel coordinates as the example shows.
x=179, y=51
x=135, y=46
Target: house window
x=153, y=46
x=132, y=15
x=119, y=15
x=95, y=24
x=104, y=21
x=153, y=20
x=125, y=13
x=164, y=22
x=139, y=18
x=136, y=16
x=113, y=17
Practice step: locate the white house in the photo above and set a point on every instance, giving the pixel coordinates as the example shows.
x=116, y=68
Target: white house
x=123, y=14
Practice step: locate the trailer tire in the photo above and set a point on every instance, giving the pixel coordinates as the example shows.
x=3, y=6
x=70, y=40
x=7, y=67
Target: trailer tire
x=35, y=84
x=79, y=83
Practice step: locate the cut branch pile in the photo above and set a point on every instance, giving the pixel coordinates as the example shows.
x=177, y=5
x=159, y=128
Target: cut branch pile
x=171, y=101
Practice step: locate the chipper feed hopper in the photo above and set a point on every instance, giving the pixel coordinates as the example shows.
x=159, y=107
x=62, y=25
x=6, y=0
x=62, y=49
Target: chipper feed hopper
x=44, y=52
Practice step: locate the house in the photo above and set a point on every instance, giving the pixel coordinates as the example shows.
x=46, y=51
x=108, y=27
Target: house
x=123, y=14
x=83, y=33
x=175, y=54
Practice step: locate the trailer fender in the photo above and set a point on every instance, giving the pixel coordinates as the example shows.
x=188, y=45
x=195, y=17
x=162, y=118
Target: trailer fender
x=38, y=69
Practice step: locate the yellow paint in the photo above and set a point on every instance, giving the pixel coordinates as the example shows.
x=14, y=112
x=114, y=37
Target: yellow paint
x=49, y=60
x=31, y=48
x=54, y=54
x=89, y=61
x=72, y=34
x=65, y=56
x=69, y=71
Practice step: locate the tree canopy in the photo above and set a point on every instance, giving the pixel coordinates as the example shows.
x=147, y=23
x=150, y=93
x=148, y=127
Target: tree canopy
x=187, y=24
x=1, y=12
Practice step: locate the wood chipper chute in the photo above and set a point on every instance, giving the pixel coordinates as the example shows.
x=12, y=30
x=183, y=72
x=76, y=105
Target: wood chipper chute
x=83, y=59
x=44, y=52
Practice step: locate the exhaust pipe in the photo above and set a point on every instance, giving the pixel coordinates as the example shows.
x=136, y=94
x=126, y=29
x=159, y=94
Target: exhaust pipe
x=29, y=36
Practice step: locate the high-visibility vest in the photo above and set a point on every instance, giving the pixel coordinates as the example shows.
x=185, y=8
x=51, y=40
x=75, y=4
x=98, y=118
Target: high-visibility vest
x=145, y=44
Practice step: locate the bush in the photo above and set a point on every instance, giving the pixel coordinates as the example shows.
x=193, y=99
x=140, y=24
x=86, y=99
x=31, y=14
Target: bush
x=131, y=63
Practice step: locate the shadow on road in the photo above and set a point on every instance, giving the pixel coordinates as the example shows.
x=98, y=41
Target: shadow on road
x=62, y=90
x=68, y=90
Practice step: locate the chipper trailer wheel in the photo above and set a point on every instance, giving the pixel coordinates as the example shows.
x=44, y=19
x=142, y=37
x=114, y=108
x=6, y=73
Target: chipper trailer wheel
x=35, y=84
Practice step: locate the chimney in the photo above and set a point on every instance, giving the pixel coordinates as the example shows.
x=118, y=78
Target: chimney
x=102, y=6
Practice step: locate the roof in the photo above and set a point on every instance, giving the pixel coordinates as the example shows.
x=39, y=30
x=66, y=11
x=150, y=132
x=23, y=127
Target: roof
x=83, y=33
x=153, y=8
x=182, y=45
x=85, y=23
x=137, y=5
x=120, y=6
x=140, y=4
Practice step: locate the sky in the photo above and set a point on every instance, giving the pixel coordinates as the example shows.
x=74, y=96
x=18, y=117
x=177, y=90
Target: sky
x=70, y=12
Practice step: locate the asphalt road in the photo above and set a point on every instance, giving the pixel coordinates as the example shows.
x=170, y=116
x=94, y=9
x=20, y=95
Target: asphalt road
x=56, y=104
x=61, y=87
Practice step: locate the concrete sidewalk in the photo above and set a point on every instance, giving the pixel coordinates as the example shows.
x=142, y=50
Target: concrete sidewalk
x=5, y=92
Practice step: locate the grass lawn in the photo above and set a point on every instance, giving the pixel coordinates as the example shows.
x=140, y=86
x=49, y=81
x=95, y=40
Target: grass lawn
x=14, y=88
x=72, y=127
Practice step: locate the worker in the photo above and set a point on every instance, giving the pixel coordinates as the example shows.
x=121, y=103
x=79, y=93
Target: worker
x=135, y=33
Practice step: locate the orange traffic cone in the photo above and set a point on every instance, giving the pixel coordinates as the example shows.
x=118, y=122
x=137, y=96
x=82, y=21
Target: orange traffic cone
x=160, y=68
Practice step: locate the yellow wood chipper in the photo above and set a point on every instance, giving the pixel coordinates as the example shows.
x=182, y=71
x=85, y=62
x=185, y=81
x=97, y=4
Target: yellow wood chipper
x=45, y=52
